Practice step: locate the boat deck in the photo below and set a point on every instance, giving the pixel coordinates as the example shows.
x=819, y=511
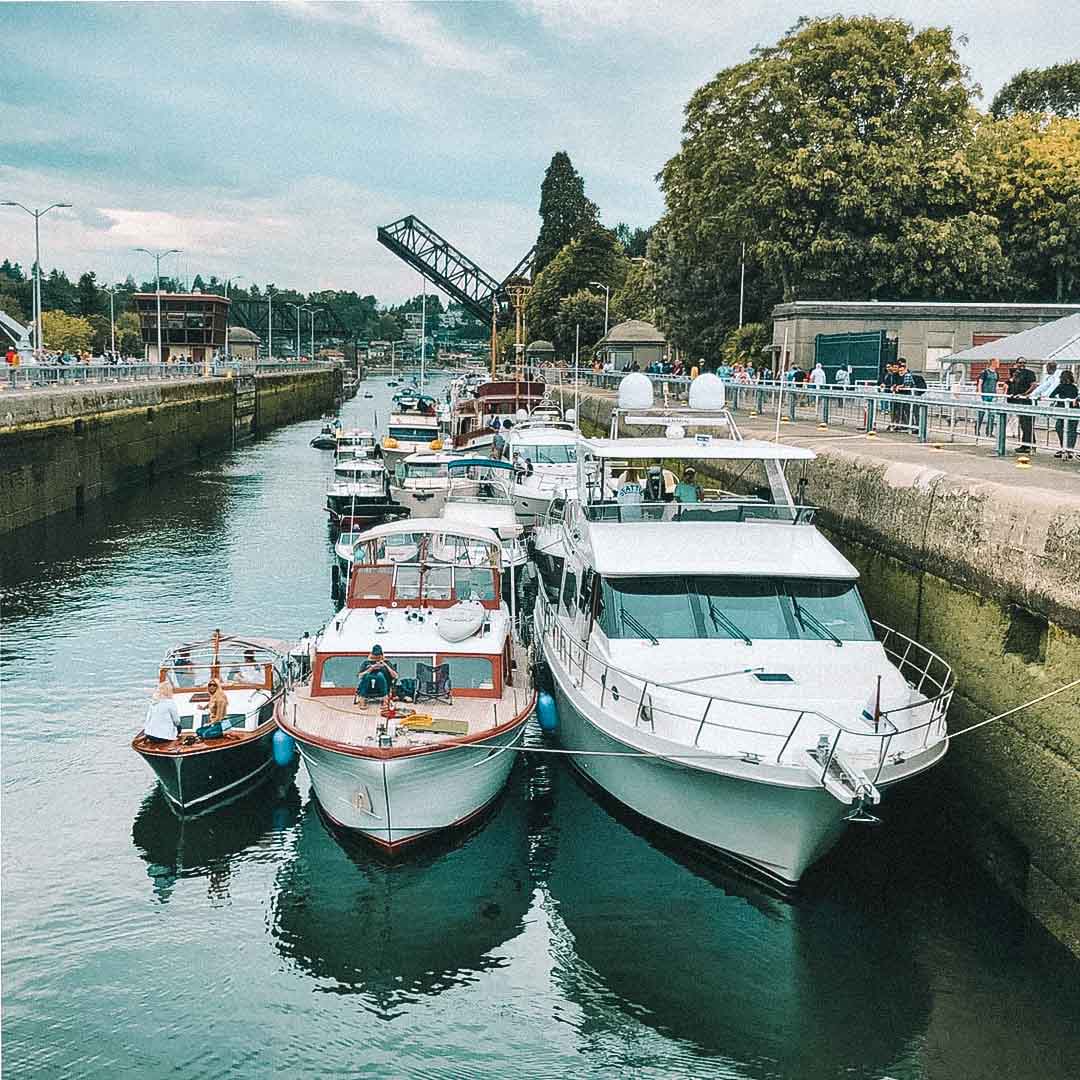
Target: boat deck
x=337, y=719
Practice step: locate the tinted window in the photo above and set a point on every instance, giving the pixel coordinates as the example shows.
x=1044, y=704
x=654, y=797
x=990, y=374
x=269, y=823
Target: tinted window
x=470, y=672
x=569, y=591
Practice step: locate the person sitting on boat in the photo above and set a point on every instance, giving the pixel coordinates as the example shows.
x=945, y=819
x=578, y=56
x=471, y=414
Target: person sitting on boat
x=688, y=490
x=182, y=670
x=246, y=672
x=162, y=718
x=522, y=465
x=377, y=676
x=219, y=703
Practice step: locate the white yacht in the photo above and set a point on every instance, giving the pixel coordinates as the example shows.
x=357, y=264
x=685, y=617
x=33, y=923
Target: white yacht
x=356, y=443
x=480, y=494
x=714, y=668
x=413, y=428
x=545, y=447
x=397, y=759
x=419, y=483
x=358, y=492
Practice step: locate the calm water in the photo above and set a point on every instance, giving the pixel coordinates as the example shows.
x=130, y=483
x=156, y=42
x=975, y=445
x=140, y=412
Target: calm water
x=555, y=939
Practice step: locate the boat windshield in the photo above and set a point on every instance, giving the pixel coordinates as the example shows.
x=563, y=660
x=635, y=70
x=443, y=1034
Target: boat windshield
x=415, y=470
x=547, y=453
x=733, y=608
x=412, y=434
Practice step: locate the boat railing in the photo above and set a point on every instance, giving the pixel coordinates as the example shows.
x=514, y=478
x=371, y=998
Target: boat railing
x=723, y=510
x=777, y=734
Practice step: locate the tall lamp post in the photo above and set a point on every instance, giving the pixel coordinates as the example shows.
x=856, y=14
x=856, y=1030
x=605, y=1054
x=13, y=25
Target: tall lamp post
x=228, y=317
x=112, y=320
x=296, y=308
x=313, y=311
x=607, y=301
x=37, y=215
x=157, y=256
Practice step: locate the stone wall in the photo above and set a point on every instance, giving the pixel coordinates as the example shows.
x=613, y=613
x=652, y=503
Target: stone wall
x=61, y=448
x=986, y=575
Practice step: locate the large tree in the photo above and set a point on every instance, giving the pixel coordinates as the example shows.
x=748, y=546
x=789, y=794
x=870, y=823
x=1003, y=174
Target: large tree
x=1028, y=170
x=89, y=295
x=835, y=154
x=595, y=255
x=565, y=212
x=1053, y=90
x=68, y=333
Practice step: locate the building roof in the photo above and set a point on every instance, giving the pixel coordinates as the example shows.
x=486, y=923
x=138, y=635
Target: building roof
x=915, y=309
x=183, y=296
x=1058, y=340
x=540, y=346
x=633, y=332
x=744, y=549
x=241, y=335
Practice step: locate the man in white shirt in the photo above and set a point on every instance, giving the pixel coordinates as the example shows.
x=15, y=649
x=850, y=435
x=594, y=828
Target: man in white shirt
x=1051, y=378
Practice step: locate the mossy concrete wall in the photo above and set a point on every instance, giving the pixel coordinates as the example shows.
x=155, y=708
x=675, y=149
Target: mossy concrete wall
x=62, y=448
x=987, y=575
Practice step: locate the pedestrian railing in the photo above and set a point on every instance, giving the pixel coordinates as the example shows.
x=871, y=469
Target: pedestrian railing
x=31, y=376
x=935, y=416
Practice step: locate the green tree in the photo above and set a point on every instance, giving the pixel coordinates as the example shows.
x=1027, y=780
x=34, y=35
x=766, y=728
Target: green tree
x=584, y=309
x=67, y=333
x=565, y=212
x=1054, y=90
x=58, y=293
x=634, y=241
x=1028, y=167
x=638, y=297
x=10, y=305
x=89, y=295
x=833, y=154
x=744, y=344
x=129, y=334
x=595, y=255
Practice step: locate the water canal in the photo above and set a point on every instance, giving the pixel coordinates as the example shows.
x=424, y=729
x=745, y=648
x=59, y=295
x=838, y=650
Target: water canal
x=555, y=939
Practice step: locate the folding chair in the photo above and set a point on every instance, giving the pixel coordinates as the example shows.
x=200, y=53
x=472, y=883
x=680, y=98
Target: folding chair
x=433, y=683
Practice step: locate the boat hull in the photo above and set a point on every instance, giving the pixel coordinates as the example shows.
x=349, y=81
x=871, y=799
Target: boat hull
x=777, y=830
x=366, y=510
x=425, y=504
x=193, y=780
x=397, y=800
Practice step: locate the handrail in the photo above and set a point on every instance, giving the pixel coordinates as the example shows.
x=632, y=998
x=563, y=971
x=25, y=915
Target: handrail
x=938, y=703
x=738, y=510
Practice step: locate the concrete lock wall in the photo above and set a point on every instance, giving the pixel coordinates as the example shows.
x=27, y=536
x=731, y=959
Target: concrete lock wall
x=985, y=575
x=62, y=448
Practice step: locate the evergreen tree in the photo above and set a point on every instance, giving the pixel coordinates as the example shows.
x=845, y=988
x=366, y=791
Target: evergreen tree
x=89, y=295
x=565, y=212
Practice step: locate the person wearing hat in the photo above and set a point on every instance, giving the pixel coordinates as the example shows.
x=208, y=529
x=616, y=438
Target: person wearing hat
x=377, y=676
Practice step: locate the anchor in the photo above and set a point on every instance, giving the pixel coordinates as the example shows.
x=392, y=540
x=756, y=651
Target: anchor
x=860, y=812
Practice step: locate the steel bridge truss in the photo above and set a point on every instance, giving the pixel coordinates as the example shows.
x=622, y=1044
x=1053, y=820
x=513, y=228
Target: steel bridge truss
x=254, y=315
x=450, y=269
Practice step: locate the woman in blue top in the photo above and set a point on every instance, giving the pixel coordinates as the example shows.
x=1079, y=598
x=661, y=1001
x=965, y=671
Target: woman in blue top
x=988, y=384
x=162, y=718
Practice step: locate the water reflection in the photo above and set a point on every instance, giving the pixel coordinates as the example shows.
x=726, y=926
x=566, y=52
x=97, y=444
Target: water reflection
x=207, y=845
x=809, y=989
x=397, y=931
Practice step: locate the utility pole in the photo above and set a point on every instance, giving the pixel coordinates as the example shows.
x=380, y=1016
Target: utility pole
x=112, y=320
x=423, y=332
x=742, y=283
x=37, y=215
x=157, y=256
x=607, y=301
x=296, y=308
x=269, y=324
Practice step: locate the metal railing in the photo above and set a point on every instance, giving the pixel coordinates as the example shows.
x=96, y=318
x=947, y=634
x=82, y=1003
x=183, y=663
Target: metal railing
x=32, y=376
x=737, y=510
x=936, y=415
x=769, y=731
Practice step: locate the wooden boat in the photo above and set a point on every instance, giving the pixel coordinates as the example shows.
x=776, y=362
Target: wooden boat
x=196, y=769
x=432, y=757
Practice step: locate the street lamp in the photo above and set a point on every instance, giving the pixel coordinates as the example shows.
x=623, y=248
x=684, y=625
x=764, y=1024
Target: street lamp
x=607, y=299
x=111, y=289
x=37, y=215
x=157, y=256
x=228, y=317
x=313, y=311
x=296, y=308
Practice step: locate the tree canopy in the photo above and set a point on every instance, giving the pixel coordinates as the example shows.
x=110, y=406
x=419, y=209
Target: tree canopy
x=1053, y=90
x=565, y=212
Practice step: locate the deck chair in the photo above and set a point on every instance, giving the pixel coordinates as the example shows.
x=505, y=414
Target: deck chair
x=433, y=683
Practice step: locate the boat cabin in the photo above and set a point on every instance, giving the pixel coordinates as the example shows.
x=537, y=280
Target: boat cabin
x=473, y=417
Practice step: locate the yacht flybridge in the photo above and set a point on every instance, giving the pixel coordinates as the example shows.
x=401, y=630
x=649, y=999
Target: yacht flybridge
x=545, y=449
x=714, y=668
x=396, y=754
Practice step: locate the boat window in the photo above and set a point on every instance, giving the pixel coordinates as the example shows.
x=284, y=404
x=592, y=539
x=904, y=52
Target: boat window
x=343, y=672
x=569, y=591
x=416, y=471
x=370, y=583
x=836, y=605
x=470, y=672
x=412, y=434
x=554, y=454
x=732, y=607
x=476, y=582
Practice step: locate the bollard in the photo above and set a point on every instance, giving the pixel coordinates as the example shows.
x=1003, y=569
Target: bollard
x=871, y=409
x=924, y=422
x=1002, y=450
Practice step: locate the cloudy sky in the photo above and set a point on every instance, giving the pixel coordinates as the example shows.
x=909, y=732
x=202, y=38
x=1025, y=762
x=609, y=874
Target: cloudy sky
x=271, y=139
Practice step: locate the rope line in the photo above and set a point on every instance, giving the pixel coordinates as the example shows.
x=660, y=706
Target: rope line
x=1018, y=708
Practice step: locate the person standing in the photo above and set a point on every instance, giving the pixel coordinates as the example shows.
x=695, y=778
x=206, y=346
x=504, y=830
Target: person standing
x=163, y=718
x=842, y=378
x=988, y=388
x=1067, y=397
x=1021, y=386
